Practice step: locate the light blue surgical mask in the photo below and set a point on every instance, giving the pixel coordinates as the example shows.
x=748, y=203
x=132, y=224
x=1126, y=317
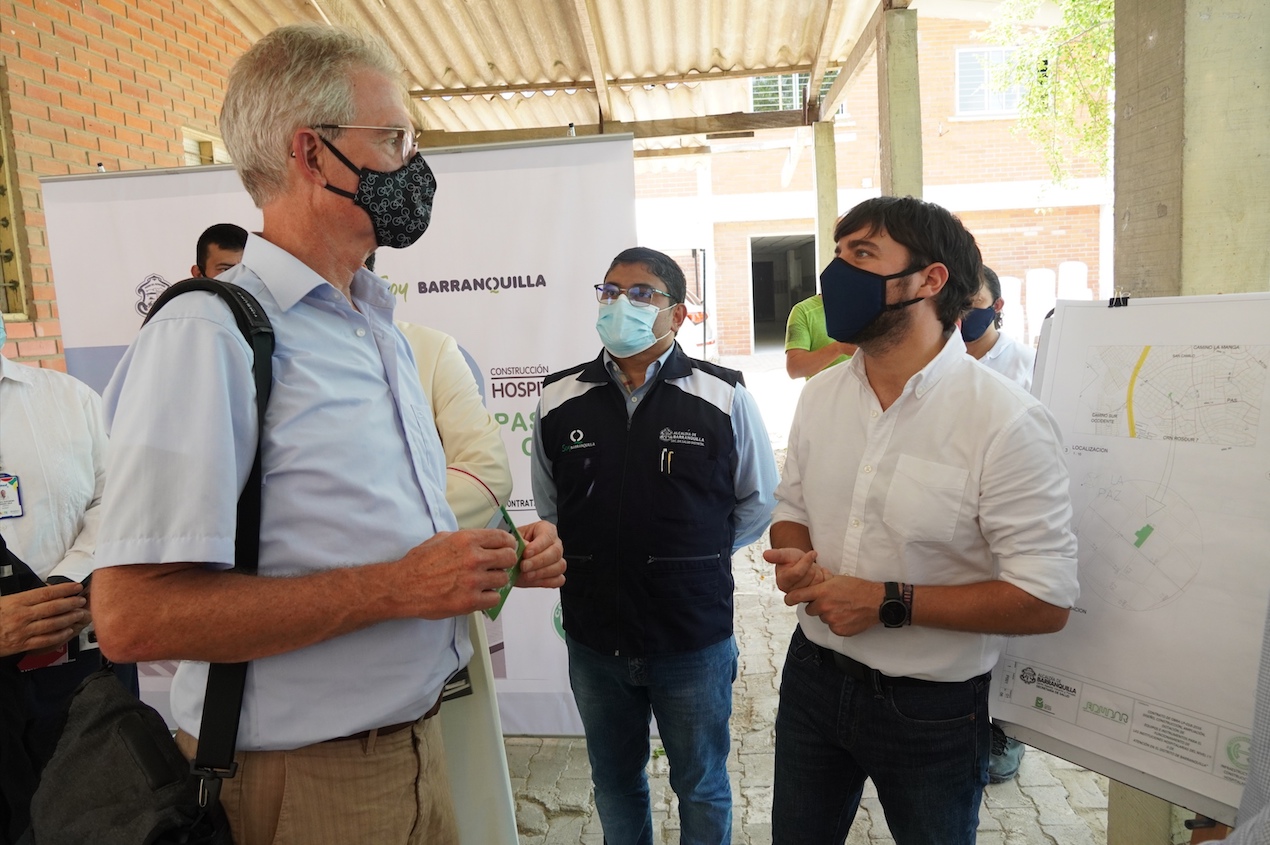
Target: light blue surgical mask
x=3, y=333
x=627, y=329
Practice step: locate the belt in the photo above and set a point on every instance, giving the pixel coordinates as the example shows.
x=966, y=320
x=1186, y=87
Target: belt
x=867, y=674
x=389, y=729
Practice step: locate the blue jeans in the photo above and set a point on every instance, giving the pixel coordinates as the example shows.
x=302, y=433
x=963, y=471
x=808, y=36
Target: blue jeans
x=926, y=749
x=691, y=696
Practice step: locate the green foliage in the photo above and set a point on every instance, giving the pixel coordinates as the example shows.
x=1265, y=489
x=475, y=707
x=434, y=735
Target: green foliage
x=1066, y=76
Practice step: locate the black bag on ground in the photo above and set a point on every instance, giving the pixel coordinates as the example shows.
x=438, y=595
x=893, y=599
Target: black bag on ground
x=117, y=776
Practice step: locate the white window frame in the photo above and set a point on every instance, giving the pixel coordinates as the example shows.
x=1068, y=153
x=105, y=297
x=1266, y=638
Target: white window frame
x=997, y=102
x=203, y=148
x=799, y=82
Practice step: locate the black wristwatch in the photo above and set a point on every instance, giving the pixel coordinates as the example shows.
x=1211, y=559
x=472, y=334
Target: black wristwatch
x=894, y=611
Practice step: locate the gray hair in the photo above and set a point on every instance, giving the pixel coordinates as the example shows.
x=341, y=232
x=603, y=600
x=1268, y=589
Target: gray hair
x=295, y=76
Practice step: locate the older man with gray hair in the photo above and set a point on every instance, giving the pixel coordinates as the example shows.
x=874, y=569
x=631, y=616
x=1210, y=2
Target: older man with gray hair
x=358, y=616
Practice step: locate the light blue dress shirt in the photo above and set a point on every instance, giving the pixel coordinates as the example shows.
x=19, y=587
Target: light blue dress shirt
x=754, y=475
x=354, y=474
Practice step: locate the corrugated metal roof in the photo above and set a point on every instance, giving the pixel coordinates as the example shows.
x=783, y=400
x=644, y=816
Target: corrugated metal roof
x=490, y=65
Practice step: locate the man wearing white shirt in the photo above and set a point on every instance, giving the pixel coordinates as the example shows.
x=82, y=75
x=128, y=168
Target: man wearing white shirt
x=52, y=469
x=923, y=516
x=52, y=454
x=981, y=330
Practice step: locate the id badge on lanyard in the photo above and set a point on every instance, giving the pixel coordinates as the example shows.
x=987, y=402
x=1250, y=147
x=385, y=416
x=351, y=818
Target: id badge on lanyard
x=10, y=496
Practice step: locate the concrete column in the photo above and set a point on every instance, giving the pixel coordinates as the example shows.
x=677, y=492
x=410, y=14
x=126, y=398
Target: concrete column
x=1191, y=154
x=1192, y=160
x=827, y=211
x=1135, y=818
x=1226, y=156
x=899, y=104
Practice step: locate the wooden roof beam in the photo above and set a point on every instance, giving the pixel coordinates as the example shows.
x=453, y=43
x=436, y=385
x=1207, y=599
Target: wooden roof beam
x=835, y=15
x=856, y=61
x=589, y=25
x=711, y=124
x=589, y=85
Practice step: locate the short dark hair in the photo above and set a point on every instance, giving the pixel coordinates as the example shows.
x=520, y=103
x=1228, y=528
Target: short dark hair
x=225, y=236
x=660, y=265
x=930, y=233
x=994, y=287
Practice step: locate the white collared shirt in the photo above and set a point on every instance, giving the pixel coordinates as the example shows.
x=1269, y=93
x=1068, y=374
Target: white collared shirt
x=52, y=438
x=353, y=469
x=1012, y=360
x=961, y=480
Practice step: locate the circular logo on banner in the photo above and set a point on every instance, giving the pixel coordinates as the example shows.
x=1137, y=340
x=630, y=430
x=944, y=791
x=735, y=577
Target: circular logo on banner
x=1238, y=749
x=1028, y=675
x=557, y=621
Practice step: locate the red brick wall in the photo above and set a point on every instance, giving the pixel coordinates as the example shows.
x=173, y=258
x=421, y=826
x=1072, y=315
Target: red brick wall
x=110, y=81
x=1013, y=242
x=759, y=171
x=654, y=178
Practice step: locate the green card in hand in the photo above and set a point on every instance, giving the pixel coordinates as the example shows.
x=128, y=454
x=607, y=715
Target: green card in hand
x=504, y=522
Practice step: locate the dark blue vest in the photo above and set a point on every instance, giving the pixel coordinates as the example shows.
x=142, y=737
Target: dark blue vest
x=645, y=506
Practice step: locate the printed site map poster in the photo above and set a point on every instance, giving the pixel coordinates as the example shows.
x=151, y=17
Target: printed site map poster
x=1162, y=405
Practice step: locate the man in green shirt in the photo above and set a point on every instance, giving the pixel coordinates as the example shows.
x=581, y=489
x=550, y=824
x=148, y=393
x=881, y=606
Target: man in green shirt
x=808, y=347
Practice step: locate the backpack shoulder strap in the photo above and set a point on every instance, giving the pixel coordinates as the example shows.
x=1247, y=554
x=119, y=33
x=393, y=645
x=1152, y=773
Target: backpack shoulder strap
x=252, y=322
x=222, y=703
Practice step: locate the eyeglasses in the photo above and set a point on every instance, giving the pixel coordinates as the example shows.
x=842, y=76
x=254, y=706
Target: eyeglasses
x=403, y=139
x=641, y=295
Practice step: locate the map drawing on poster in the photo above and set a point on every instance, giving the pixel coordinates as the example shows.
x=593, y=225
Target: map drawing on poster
x=1160, y=404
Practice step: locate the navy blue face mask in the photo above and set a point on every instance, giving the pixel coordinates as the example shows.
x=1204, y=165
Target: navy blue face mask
x=399, y=203
x=976, y=322
x=854, y=298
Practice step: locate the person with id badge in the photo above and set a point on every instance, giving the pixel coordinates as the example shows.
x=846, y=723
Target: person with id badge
x=52, y=470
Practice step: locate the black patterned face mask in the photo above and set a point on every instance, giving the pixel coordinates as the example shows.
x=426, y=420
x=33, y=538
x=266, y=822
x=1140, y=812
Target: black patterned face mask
x=399, y=203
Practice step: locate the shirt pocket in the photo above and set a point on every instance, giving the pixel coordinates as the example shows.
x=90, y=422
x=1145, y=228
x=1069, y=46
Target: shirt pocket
x=925, y=500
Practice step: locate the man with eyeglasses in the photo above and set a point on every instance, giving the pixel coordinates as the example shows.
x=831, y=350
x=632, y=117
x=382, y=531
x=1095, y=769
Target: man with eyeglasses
x=655, y=467
x=358, y=614
x=923, y=515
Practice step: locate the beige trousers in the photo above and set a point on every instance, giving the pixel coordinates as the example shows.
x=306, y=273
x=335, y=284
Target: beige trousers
x=386, y=790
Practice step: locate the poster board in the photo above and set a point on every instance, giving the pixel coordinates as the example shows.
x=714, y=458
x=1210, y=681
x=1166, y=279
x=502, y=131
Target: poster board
x=1162, y=406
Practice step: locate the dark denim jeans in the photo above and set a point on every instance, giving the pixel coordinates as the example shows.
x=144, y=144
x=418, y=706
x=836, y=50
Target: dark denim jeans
x=925, y=748
x=691, y=696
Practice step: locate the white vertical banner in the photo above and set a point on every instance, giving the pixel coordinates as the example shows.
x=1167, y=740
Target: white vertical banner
x=530, y=231
x=519, y=234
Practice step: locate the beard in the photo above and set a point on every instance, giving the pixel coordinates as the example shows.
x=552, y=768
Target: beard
x=886, y=332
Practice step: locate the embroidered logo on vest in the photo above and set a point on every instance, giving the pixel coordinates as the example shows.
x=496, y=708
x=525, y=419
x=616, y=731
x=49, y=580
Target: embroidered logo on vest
x=669, y=435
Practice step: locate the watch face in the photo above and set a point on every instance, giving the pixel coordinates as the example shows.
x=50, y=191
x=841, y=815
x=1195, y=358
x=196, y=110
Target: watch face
x=892, y=613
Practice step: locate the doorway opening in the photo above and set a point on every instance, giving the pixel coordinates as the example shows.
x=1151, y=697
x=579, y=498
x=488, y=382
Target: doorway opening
x=782, y=274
